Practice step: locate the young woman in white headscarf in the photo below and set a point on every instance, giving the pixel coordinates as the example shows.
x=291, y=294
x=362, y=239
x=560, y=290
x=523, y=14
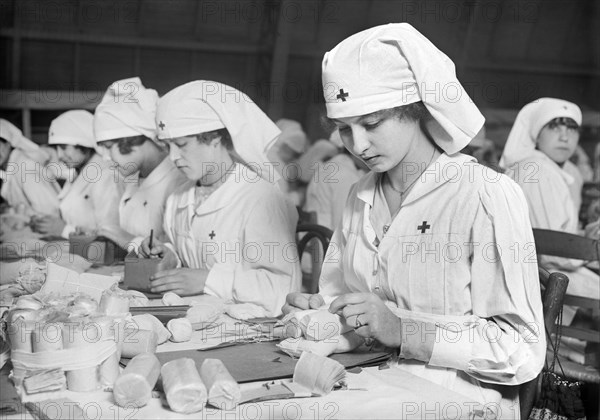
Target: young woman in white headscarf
x=124, y=125
x=26, y=182
x=543, y=138
x=90, y=199
x=231, y=235
x=422, y=259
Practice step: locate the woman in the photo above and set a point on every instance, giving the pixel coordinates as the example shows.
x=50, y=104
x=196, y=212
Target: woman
x=328, y=190
x=124, y=125
x=285, y=155
x=26, y=181
x=543, y=138
x=232, y=233
x=422, y=261
x=91, y=199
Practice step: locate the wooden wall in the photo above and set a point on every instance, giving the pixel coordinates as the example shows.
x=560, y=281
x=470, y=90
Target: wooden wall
x=507, y=52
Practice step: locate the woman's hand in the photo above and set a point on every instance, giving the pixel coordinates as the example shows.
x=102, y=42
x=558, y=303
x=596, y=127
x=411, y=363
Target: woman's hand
x=159, y=250
x=49, y=225
x=119, y=236
x=183, y=281
x=370, y=317
x=301, y=301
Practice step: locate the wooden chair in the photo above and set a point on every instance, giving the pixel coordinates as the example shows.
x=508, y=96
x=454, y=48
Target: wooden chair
x=567, y=245
x=306, y=217
x=306, y=236
x=555, y=287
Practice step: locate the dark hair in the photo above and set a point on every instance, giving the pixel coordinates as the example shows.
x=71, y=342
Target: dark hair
x=126, y=143
x=87, y=150
x=209, y=136
x=566, y=121
x=414, y=112
x=417, y=111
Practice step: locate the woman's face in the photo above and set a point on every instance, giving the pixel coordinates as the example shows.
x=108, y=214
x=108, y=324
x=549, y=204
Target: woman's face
x=380, y=140
x=127, y=164
x=197, y=160
x=558, y=140
x=71, y=156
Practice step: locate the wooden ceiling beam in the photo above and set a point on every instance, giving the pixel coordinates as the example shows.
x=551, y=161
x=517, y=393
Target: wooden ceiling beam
x=218, y=47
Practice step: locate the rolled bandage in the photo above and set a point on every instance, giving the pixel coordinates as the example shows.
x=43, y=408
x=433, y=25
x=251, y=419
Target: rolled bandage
x=28, y=302
x=172, y=299
x=22, y=314
x=47, y=337
x=109, y=369
x=138, y=342
x=183, y=386
x=134, y=386
x=223, y=391
x=150, y=322
x=79, y=335
x=114, y=302
x=181, y=329
x=317, y=373
x=20, y=333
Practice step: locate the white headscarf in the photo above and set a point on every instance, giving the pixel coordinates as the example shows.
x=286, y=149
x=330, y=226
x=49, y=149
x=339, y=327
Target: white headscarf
x=127, y=109
x=528, y=124
x=17, y=140
x=201, y=106
x=394, y=65
x=292, y=134
x=73, y=127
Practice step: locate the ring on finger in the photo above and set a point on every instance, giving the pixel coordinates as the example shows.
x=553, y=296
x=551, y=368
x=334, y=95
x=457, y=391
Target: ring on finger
x=358, y=324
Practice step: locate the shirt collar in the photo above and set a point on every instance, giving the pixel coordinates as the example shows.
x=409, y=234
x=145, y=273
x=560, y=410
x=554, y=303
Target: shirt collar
x=446, y=168
x=223, y=196
x=563, y=173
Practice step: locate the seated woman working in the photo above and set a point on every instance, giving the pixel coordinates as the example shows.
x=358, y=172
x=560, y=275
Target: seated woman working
x=26, y=182
x=231, y=234
x=91, y=199
x=543, y=138
x=124, y=125
x=422, y=261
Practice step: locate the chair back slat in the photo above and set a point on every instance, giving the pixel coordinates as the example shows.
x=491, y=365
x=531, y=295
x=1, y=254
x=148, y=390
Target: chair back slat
x=566, y=245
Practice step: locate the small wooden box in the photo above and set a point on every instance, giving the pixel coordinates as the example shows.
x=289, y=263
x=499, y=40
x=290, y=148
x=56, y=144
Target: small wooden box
x=96, y=249
x=138, y=272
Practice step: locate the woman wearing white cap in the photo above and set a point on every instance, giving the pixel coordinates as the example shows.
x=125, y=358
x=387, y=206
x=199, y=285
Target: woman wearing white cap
x=25, y=180
x=91, y=199
x=423, y=260
x=289, y=147
x=328, y=189
x=543, y=138
x=124, y=125
x=232, y=232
